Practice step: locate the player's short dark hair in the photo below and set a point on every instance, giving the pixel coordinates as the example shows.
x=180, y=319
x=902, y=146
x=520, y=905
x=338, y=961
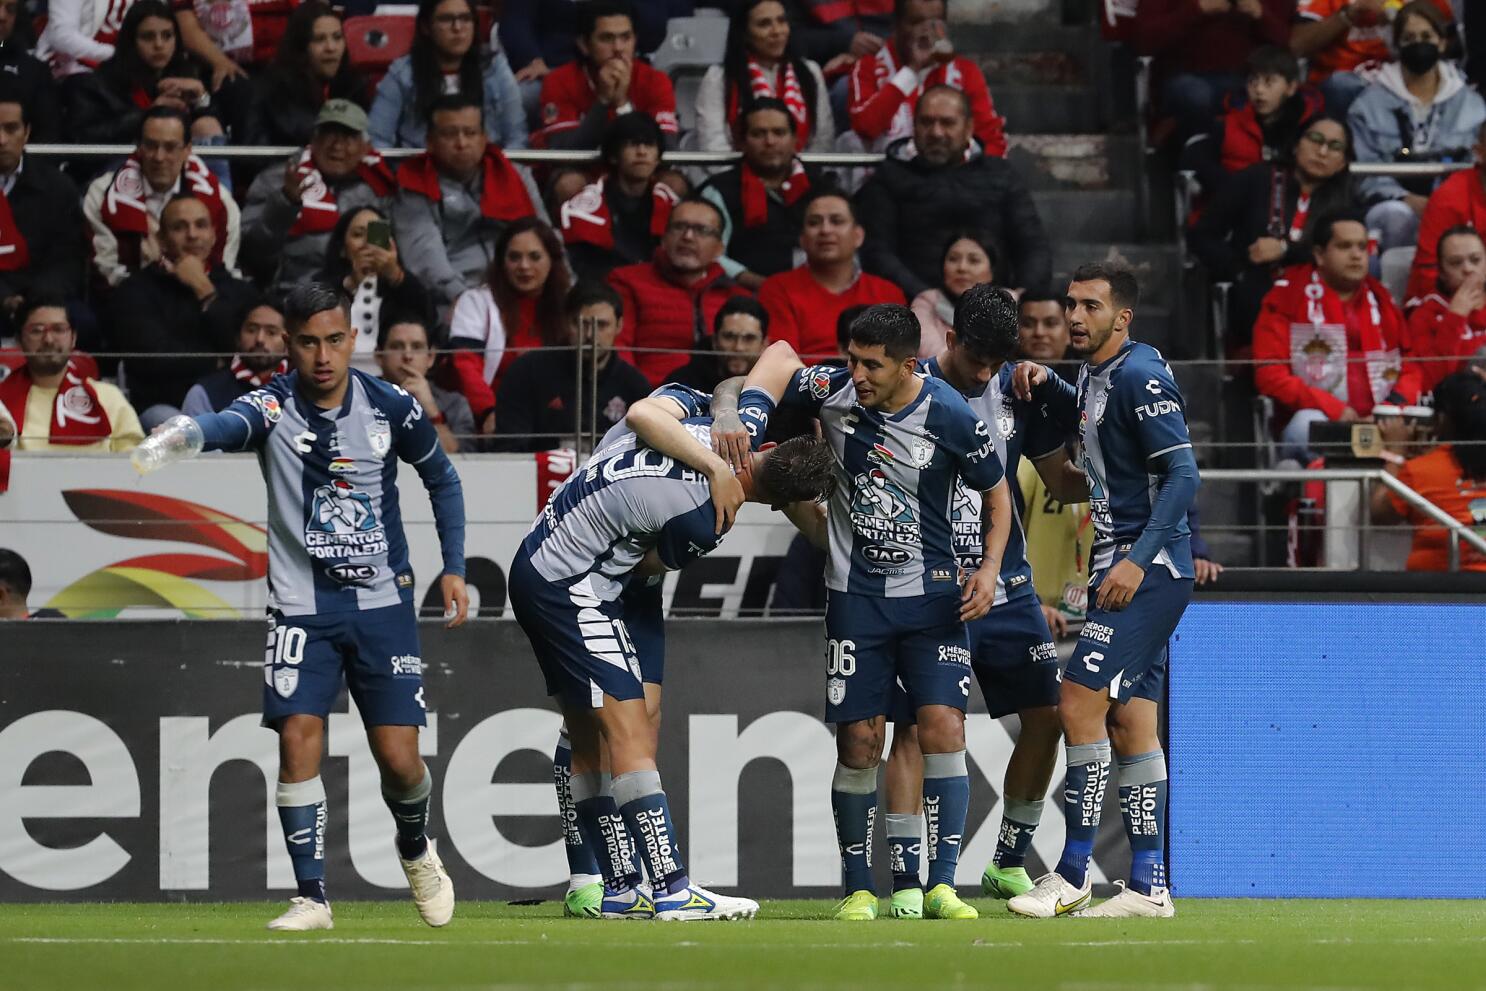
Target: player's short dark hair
x=802, y=469
x=166, y=113
x=697, y=199
x=590, y=292
x=633, y=128
x=828, y=190
x=958, y=94
x=986, y=322
x=1124, y=289
x=307, y=299
x=590, y=12
x=746, y=305
x=843, y=324
x=1272, y=60
x=1325, y=227
x=11, y=92
x=15, y=574
x=37, y=300
x=890, y=325
x=450, y=102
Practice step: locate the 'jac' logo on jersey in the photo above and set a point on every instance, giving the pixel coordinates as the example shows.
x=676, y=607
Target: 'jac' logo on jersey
x=352, y=574
x=1159, y=408
x=885, y=555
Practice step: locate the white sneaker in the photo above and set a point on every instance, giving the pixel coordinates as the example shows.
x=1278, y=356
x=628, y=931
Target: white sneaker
x=304, y=914
x=1053, y=896
x=695, y=903
x=433, y=891
x=1131, y=904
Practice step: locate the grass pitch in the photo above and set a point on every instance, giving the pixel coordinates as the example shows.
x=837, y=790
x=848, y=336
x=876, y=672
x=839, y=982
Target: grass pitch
x=1241, y=945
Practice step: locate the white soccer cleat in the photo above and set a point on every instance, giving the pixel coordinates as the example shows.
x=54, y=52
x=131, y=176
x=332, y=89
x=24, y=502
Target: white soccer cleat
x=433, y=891
x=1131, y=904
x=695, y=904
x=1052, y=896
x=303, y=915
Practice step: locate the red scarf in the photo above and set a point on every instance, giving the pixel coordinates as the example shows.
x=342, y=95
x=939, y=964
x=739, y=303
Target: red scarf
x=761, y=85
x=77, y=415
x=14, y=253
x=585, y=217
x=318, y=212
x=885, y=66
x=257, y=380
x=503, y=194
x=756, y=194
x=125, y=214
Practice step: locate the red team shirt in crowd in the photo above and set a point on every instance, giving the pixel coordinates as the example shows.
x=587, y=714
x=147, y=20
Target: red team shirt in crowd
x=568, y=94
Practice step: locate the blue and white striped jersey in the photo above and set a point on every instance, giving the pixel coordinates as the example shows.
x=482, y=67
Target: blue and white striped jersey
x=891, y=521
x=335, y=536
x=1130, y=412
x=1017, y=428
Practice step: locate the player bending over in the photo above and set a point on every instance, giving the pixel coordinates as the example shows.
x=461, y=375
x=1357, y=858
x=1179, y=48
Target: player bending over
x=340, y=588
x=1142, y=479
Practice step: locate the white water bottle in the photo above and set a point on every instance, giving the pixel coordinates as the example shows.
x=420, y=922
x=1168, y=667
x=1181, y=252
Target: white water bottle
x=177, y=439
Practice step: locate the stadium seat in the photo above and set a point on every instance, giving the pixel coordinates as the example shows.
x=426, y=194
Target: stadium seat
x=1393, y=271
x=693, y=44
x=377, y=40
x=687, y=84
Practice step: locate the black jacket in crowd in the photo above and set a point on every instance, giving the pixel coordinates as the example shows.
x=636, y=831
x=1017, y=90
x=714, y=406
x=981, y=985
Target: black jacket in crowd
x=1244, y=211
x=769, y=248
x=909, y=208
x=537, y=396
x=101, y=105
x=33, y=80
x=49, y=215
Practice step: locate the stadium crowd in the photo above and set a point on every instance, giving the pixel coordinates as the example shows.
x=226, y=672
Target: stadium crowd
x=131, y=290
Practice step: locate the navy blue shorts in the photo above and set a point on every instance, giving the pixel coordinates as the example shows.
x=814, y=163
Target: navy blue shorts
x=644, y=617
x=1124, y=652
x=874, y=643
x=374, y=652
x=1014, y=658
x=581, y=641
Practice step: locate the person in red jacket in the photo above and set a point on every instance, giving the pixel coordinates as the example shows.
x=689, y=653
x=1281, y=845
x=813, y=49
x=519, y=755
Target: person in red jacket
x=886, y=85
x=1450, y=323
x=804, y=302
x=671, y=301
x=1330, y=342
x=1459, y=200
x=580, y=98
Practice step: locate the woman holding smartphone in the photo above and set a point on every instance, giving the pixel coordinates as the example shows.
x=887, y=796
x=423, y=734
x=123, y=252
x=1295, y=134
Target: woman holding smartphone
x=361, y=260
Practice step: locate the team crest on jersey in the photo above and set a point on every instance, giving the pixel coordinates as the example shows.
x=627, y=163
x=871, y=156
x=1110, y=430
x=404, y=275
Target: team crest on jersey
x=285, y=681
x=836, y=690
x=1005, y=419
x=1100, y=402
x=921, y=452
x=379, y=435
x=343, y=523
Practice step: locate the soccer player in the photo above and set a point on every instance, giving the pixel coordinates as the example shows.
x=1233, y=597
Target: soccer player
x=1142, y=479
x=1011, y=649
x=635, y=511
x=340, y=589
x=896, y=611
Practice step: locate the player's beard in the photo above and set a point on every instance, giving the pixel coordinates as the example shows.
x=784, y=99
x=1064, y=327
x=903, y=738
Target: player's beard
x=1097, y=337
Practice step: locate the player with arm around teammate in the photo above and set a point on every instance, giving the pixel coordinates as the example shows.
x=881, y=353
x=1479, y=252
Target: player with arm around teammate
x=340, y=586
x=1142, y=479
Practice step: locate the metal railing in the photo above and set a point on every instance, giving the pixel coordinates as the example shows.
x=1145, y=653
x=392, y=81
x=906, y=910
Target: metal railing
x=525, y=156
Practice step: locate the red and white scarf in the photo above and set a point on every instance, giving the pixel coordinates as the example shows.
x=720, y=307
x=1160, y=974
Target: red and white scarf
x=77, y=416
x=885, y=66
x=1320, y=349
x=15, y=254
x=318, y=212
x=586, y=218
x=257, y=380
x=503, y=193
x=126, y=214
x=756, y=195
x=762, y=83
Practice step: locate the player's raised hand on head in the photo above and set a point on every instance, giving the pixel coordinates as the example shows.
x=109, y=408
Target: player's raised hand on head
x=1028, y=376
x=727, y=496
x=456, y=601
x=1120, y=585
x=979, y=593
x=730, y=441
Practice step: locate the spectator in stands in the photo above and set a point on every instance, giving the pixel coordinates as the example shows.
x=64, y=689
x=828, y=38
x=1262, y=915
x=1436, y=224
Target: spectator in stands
x=81, y=35
x=1417, y=109
x=762, y=61
x=32, y=77
x=580, y=99
x=176, y=309
x=672, y=300
x=1201, y=46
x=454, y=199
x=1329, y=340
x=406, y=354
x=521, y=306
x=539, y=399
x=362, y=261
x=15, y=581
x=49, y=403
x=805, y=303
x=1449, y=324
x=262, y=344
x=1262, y=219
x=123, y=207
x=762, y=197
x=938, y=182
x=887, y=85
x=740, y=333
x=149, y=68
x=251, y=42
x=1338, y=37
x=41, y=223
x=293, y=207
x=1459, y=200
x=1042, y=331
x=446, y=60
x=1452, y=476
x=310, y=67
x=969, y=259
x=619, y=219
x=836, y=33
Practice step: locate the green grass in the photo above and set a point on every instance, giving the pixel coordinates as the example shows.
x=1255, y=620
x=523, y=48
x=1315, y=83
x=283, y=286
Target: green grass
x=1242, y=945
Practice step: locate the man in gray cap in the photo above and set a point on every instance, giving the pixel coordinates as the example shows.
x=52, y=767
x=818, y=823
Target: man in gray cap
x=293, y=208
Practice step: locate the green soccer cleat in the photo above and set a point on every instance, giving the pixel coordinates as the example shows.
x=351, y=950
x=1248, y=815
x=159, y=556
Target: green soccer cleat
x=942, y=902
x=584, y=902
x=908, y=903
x=859, y=906
x=1005, y=882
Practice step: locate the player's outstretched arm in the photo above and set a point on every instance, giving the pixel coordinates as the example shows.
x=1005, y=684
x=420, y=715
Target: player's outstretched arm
x=729, y=436
x=980, y=589
x=181, y=438
x=659, y=430
x=773, y=370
